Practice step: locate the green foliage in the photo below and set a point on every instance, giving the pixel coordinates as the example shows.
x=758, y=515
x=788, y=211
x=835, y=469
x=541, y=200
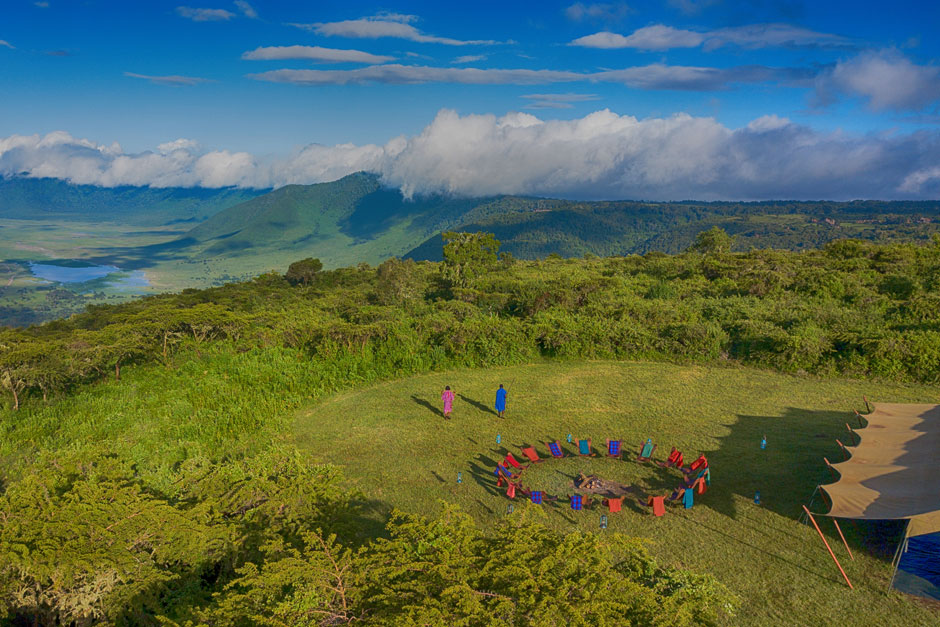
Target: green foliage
x=303, y=272
x=467, y=256
x=236, y=530
x=85, y=540
x=850, y=308
x=714, y=240
x=449, y=570
x=398, y=282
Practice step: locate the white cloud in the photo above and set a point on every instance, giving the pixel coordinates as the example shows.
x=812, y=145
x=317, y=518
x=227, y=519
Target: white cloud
x=384, y=25
x=246, y=9
x=190, y=145
x=41, y=5
x=887, y=79
x=654, y=76
x=6, y=44
x=657, y=37
x=314, y=53
x=579, y=11
x=557, y=101
x=395, y=73
x=773, y=35
x=601, y=155
x=204, y=15
x=924, y=180
x=605, y=155
x=469, y=58
x=173, y=80
x=662, y=37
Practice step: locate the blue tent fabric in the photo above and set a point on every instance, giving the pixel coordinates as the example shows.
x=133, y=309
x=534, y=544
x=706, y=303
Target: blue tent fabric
x=500, y=400
x=688, y=499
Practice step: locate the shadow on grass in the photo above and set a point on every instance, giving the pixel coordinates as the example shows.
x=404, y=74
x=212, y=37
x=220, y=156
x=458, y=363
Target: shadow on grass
x=826, y=577
x=434, y=410
x=484, y=408
x=481, y=470
x=787, y=472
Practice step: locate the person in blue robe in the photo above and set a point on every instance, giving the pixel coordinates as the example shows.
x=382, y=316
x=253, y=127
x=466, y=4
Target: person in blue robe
x=500, y=401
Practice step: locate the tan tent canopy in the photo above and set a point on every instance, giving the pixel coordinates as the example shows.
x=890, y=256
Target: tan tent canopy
x=894, y=472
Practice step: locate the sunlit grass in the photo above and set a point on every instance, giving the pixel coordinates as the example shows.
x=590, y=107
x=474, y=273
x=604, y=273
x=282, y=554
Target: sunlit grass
x=397, y=448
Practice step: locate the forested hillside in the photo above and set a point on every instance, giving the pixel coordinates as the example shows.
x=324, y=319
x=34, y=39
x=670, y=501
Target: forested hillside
x=23, y=198
x=534, y=228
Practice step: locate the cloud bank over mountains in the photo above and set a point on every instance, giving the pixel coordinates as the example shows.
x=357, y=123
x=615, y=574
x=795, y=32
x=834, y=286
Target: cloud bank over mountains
x=600, y=156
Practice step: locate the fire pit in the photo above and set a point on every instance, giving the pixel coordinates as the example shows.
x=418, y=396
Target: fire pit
x=596, y=485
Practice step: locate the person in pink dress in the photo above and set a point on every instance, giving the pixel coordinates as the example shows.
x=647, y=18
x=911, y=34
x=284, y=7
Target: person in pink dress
x=448, y=397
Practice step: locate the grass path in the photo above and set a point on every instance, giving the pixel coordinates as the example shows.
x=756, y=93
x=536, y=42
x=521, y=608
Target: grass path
x=396, y=447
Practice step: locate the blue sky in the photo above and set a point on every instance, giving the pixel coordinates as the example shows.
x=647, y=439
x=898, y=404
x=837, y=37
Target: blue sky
x=263, y=93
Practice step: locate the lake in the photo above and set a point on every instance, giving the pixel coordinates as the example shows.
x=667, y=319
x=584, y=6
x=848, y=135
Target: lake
x=70, y=271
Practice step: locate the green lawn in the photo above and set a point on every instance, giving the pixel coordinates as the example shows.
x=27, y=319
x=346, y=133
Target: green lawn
x=397, y=448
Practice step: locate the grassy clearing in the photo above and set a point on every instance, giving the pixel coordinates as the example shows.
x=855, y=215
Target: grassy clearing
x=398, y=449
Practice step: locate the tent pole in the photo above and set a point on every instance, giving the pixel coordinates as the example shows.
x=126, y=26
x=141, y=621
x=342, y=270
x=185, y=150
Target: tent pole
x=812, y=497
x=844, y=452
x=831, y=469
x=897, y=554
x=836, y=523
x=831, y=554
x=854, y=435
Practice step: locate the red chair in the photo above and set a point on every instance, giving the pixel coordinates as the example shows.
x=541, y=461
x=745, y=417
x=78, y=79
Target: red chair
x=674, y=460
x=511, y=461
x=614, y=505
x=701, y=462
x=659, y=507
x=531, y=455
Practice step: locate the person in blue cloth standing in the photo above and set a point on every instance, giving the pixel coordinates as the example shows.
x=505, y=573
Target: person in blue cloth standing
x=500, y=400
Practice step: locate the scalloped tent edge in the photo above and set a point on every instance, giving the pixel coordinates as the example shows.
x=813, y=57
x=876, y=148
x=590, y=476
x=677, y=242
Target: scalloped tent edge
x=892, y=474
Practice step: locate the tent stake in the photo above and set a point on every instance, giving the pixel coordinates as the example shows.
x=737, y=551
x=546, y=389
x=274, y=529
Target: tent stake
x=829, y=548
x=836, y=523
x=867, y=406
x=844, y=452
x=859, y=416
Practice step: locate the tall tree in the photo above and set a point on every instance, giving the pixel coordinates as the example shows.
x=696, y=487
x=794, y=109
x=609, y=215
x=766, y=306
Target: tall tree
x=467, y=256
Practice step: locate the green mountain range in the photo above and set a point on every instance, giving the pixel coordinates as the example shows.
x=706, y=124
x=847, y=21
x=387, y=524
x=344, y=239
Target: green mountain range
x=355, y=220
x=183, y=238
x=347, y=221
x=533, y=228
x=24, y=198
